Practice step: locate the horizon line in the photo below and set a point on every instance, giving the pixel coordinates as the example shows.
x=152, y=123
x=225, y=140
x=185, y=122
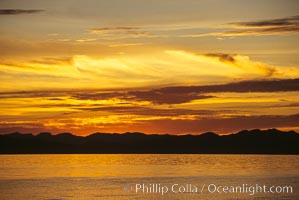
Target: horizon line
x=137, y=132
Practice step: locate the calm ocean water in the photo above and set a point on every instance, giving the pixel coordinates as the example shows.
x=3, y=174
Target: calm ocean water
x=116, y=176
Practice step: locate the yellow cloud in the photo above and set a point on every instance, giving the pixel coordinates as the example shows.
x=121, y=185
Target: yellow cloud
x=170, y=67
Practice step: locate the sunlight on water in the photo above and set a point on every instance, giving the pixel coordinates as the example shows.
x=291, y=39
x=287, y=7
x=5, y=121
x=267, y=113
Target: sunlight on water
x=127, y=165
x=104, y=176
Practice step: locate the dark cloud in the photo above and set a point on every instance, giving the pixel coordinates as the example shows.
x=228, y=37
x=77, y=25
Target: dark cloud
x=147, y=111
x=56, y=99
x=267, y=27
x=120, y=32
x=222, y=57
x=264, y=31
x=94, y=95
x=154, y=96
x=18, y=11
x=282, y=26
x=289, y=21
x=160, y=97
x=115, y=29
x=276, y=85
x=166, y=95
x=182, y=94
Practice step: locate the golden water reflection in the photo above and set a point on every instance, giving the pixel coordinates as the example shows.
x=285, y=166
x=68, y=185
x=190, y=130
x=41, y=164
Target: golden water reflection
x=148, y=165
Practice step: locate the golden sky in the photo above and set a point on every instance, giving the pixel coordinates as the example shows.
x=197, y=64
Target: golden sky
x=171, y=66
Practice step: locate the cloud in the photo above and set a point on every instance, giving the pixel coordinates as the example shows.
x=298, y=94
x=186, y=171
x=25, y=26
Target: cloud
x=165, y=95
x=190, y=92
x=160, y=110
x=244, y=63
x=276, y=85
x=158, y=97
x=183, y=94
x=223, y=57
x=18, y=11
x=171, y=67
x=53, y=61
x=112, y=29
x=112, y=33
x=127, y=44
x=263, y=31
x=281, y=26
x=288, y=21
x=86, y=40
x=148, y=111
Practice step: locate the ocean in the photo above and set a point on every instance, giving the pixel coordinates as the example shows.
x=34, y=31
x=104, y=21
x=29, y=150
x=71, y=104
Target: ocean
x=148, y=176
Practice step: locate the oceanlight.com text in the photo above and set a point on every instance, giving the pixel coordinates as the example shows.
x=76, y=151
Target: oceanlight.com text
x=163, y=189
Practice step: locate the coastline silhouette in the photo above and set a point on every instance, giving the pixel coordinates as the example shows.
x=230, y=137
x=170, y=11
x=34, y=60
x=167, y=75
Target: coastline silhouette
x=271, y=141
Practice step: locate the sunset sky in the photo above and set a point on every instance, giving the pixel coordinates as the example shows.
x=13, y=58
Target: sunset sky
x=153, y=66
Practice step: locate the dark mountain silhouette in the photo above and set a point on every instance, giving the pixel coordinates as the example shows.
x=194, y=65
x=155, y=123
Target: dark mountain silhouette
x=256, y=141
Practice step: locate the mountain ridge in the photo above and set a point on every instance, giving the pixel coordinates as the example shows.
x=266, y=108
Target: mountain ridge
x=256, y=141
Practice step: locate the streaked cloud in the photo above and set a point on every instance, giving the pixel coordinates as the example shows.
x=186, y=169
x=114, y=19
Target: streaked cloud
x=281, y=22
x=86, y=40
x=113, y=29
x=281, y=26
x=127, y=44
x=18, y=11
x=183, y=94
x=113, y=33
x=53, y=60
x=158, y=97
x=165, y=95
x=275, y=85
x=170, y=67
x=185, y=109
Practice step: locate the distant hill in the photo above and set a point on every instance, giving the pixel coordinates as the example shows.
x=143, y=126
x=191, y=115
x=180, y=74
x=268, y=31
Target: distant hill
x=256, y=141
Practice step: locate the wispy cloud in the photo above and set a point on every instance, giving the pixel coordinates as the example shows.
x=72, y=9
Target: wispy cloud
x=158, y=97
x=281, y=26
x=53, y=61
x=171, y=67
x=165, y=95
x=183, y=94
x=111, y=33
x=288, y=21
x=18, y=11
x=275, y=85
x=244, y=63
x=168, y=109
x=86, y=40
x=127, y=44
x=112, y=30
